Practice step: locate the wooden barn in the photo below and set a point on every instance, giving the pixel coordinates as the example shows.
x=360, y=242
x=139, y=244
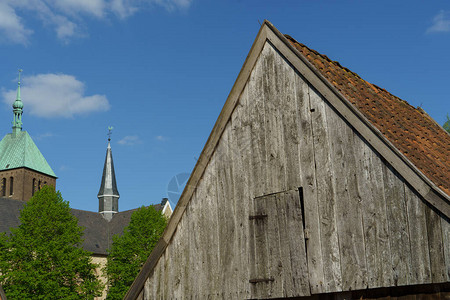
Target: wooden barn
x=314, y=183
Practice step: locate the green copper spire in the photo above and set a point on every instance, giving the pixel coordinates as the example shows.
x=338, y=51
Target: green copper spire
x=17, y=110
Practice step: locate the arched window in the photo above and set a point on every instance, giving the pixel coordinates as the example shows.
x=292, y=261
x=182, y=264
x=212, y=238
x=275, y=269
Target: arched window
x=39, y=185
x=33, y=189
x=3, y=187
x=11, y=185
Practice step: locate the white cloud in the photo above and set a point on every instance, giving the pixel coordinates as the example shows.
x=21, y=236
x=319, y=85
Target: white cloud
x=73, y=7
x=56, y=95
x=64, y=168
x=126, y=8
x=67, y=17
x=441, y=23
x=130, y=140
x=43, y=136
x=161, y=138
x=11, y=27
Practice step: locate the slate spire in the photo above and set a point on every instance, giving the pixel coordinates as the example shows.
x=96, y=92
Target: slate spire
x=17, y=110
x=108, y=195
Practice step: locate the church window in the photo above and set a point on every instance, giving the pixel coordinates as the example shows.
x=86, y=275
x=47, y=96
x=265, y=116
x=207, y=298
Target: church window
x=39, y=185
x=4, y=187
x=11, y=185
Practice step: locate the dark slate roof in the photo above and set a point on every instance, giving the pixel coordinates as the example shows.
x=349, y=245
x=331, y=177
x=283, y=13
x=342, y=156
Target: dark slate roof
x=412, y=131
x=9, y=213
x=98, y=232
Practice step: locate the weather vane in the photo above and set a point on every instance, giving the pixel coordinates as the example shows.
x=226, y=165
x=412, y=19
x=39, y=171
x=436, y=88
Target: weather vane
x=110, y=128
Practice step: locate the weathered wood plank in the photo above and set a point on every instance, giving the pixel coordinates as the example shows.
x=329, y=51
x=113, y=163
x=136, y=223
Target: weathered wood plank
x=272, y=81
x=246, y=201
x=159, y=271
x=283, y=242
x=295, y=242
x=368, y=208
x=226, y=214
x=176, y=262
x=165, y=289
x=258, y=136
x=254, y=235
x=325, y=195
x=239, y=145
x=436, y=247
x=194, y=245
x=308, y=183
x=169, y=280
x=201, y=217
x=348, y=203
x=291, y=128
x=420, y=271
x=260, y=269
x=398, y=226
x=376, y=230
x=274, y=255
x=211, y=230
x=445, y=225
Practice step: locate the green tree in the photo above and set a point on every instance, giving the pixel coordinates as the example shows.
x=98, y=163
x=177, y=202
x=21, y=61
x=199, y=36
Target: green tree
x=447, y=124
x=43, y=258
x=130, y=250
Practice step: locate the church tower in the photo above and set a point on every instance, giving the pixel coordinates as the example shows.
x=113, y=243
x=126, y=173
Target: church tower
x=108, y=196
x=23, y=168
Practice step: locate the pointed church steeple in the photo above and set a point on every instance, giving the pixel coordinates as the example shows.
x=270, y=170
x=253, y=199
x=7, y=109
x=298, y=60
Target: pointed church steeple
x=17, y=110
x=108, y=195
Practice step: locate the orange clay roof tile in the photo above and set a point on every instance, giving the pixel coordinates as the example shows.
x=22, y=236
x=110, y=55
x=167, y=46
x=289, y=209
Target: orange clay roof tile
x=410, y=129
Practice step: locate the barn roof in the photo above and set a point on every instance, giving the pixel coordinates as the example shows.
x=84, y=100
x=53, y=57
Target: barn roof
x=410, y=140
x=411, y=130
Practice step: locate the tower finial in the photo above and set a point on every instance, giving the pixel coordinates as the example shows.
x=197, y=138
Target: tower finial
x=20, y=71
x=110, y=128
x=17, y=109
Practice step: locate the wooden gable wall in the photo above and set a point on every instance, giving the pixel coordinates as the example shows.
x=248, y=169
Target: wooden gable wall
x=295, y=202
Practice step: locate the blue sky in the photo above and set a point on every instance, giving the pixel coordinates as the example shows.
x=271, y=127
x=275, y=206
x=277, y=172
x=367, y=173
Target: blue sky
x=159, y=72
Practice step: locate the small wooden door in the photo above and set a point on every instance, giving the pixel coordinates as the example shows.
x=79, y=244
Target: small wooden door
x=278, y=264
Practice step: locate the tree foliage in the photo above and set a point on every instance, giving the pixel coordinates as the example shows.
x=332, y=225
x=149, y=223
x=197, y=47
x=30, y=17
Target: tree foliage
x=130, y=250
x=447, y=124
x=43, y=258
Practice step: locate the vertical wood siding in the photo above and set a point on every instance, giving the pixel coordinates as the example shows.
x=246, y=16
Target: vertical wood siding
x=363, y=226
